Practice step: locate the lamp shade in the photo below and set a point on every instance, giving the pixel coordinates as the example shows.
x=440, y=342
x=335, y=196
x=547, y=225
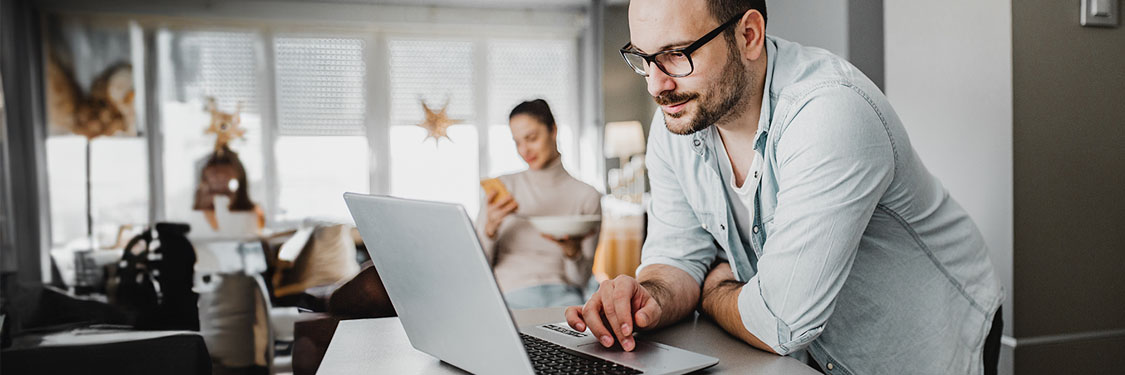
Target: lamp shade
x=624, y=139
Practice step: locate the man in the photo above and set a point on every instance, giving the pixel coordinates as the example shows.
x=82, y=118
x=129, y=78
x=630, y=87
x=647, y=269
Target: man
x=789, y=206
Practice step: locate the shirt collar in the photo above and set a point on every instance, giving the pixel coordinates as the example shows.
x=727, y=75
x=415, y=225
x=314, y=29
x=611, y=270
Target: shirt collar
x=767, y=98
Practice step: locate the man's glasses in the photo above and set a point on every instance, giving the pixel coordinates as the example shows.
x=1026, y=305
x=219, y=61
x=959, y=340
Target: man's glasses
x=675, y=62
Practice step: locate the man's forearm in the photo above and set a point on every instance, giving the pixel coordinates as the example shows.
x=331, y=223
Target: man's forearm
x=675, y=290
x=720, y=302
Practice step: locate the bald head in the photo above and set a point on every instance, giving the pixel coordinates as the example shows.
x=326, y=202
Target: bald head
x=656, y=25
x=725, y=71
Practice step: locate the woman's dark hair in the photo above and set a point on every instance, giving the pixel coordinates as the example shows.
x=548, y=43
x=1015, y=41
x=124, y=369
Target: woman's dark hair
x=223, y=166
x=537, y=109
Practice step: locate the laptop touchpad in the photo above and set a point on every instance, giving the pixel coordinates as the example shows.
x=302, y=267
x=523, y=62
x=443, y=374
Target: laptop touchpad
x=644, y=349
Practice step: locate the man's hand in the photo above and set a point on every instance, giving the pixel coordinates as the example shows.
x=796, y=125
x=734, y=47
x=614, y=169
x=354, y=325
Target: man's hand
x=622, y=303
x=497, y=211
x=720, y=301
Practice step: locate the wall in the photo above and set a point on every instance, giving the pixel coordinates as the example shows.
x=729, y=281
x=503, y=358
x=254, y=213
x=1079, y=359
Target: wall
x=626, y=96
x=818, y=23
x=948, y=75
x=1069, y=170
x=865, y=39
x=24, y=126
x=852, y=29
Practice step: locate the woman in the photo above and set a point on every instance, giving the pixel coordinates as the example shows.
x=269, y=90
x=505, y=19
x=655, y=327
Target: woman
x=534, y=269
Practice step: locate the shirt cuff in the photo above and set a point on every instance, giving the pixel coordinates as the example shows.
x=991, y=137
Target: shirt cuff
x=760, y=321
x=695, y=272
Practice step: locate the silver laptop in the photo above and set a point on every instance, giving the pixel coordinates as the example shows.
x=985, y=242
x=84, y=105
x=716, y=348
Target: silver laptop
x=442, y=287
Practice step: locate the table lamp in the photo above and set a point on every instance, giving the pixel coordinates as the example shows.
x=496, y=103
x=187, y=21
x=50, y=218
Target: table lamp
x=624, y=139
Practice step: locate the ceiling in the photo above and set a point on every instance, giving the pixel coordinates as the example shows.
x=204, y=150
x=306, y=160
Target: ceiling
x=540, y=4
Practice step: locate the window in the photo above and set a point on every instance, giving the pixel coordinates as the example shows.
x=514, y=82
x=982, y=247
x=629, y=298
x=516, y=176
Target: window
x=526, y=69
x=115, y=163
x=321, y=149
x=305, y=100
x=195, y=65
x=118, y=180
x=442, y=171
x=441, y=74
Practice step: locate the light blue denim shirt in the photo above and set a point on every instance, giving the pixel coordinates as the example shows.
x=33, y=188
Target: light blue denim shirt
x=856, y=252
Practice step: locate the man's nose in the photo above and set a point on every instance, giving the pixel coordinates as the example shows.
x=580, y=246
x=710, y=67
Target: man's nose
x=658, y=81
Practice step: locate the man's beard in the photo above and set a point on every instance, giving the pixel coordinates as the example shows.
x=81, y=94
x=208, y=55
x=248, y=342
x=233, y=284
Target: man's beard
x=725, y=93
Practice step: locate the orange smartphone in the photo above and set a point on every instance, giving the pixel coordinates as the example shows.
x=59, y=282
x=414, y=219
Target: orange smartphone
x=494, y=185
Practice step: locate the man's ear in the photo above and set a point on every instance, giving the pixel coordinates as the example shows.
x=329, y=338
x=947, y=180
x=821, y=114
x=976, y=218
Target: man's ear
x=751, y=33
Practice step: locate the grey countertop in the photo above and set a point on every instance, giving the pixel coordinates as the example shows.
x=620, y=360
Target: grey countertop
x=380, y=346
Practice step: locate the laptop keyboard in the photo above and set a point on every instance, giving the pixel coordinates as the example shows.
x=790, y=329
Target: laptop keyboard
x=551, y=358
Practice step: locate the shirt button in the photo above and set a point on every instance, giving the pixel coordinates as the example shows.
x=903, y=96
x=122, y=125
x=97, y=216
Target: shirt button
x=722, y=227
x=755, y=229
x=830, y=366
x=755, y=174
x=696, y=143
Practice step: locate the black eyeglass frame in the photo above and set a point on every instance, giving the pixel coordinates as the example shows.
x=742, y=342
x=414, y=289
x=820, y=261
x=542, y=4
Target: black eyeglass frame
x=686, y=51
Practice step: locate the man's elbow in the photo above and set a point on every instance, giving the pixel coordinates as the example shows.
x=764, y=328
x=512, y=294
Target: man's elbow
x=757, y=343
x=800, y=338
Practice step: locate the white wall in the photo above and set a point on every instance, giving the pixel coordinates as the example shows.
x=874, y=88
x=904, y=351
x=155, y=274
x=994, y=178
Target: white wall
x=949, y=77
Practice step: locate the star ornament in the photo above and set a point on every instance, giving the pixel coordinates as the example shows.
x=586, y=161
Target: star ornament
x=224, y=125
x=437, y=122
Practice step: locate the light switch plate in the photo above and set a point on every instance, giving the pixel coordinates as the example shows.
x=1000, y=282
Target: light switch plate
x=1091, y=9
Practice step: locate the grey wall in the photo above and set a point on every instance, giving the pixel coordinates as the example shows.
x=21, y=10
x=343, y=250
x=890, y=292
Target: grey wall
x=626, y=97
x=25, y=133
x=818, y=23
x=865, y=39
x=852, y=29
x=1069, y=162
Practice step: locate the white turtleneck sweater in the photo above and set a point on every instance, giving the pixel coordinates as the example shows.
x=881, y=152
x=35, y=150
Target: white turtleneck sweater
x=519, y=255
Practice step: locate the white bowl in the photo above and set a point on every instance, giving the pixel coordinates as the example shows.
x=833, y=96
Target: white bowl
x=565, y=225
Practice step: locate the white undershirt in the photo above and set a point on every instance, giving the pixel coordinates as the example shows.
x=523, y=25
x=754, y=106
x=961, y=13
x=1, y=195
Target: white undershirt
x=744, y=212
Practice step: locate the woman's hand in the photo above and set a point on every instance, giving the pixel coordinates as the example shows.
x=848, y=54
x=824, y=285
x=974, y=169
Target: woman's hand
x=497, y=211
x=570, y=245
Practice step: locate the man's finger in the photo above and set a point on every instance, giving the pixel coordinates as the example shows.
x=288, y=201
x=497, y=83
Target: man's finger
x=610, y=307
x=591, y=315
x=574, y=318
x=622, y=298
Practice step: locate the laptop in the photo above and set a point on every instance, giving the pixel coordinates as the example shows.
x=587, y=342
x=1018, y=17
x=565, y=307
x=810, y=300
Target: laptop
x=450, y=306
